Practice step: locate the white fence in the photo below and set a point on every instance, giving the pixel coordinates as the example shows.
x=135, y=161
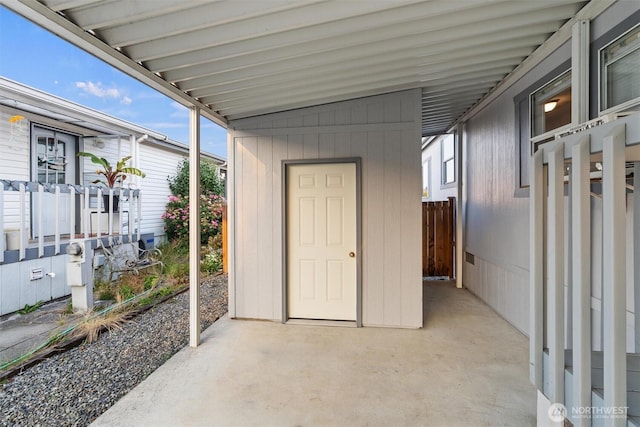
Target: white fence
x=600, y=161
x=37, y=203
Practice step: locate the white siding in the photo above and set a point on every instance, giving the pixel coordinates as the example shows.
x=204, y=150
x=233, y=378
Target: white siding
x=157, y=164
x=14, y=161
x=384, y=131
x=113, y=150
x=437, y=191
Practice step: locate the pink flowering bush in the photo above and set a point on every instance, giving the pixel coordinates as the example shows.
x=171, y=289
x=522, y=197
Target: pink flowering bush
x=176, y=217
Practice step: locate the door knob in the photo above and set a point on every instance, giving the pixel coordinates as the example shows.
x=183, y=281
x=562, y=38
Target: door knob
x=352, y=254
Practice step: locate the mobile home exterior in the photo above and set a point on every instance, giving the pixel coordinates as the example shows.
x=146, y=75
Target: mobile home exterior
x=308, y=129
x=439, y=177
x=40, y=135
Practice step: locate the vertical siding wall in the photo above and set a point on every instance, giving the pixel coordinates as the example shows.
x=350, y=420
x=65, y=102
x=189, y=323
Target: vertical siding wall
x=384, y=131
x=14, y=161
x=497, y=222
x=113, y=150
x=16, y=289
x=437, y=192
x=157, y=164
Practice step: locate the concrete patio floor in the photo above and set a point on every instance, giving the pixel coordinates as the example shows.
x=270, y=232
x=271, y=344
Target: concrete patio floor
x=467, y=367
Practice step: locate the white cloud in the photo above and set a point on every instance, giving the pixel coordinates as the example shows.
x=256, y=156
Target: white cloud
x=97, y=89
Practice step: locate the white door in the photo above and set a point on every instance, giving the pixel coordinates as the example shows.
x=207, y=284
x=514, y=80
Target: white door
x=54, y=163
x=321, y=241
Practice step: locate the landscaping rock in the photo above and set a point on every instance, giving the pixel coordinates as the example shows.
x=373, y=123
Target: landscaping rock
x=75, y=387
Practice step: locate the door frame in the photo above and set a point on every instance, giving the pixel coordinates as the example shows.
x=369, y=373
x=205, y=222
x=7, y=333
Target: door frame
x=357, y=161
x=33, y=166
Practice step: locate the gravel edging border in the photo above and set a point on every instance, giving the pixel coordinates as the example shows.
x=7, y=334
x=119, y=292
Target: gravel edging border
x=66, y=345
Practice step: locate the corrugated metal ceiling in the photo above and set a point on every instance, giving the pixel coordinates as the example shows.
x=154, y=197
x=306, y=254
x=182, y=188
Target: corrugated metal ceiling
x=245, y=58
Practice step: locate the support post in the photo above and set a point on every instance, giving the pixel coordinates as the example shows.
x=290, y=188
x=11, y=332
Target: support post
x=555, y=293
x=194, y=226
x=459, y=223
x=40, y=221
x=581, y=260
x=2, y=236
x=580, y=71
x=613, y=269
x=231, y=232
x=23, y=230
x=85, y=213
x=536, y=274
x=99, y=231
x=130, y=216
x=57, y=220
x=139, y=215
x=72, y=212
x=636, y=252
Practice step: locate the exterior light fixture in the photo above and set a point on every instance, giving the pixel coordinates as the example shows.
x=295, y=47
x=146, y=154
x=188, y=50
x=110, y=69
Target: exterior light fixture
x=550, y=105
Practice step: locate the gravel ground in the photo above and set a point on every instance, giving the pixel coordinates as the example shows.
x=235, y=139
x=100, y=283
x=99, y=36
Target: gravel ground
x=74, y=388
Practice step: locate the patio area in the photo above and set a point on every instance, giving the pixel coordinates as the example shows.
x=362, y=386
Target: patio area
x=467, y=366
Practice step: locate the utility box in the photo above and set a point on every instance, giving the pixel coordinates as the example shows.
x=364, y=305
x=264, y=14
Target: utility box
x=80, y=275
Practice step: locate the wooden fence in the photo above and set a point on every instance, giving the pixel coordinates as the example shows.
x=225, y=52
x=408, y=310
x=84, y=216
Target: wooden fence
x=438, y=237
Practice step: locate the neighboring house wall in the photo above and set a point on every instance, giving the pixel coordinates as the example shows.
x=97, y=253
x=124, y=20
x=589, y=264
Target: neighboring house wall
x=156, y=187
x=14, y=159
x=384, y=131
x=158, y=159
x=433, y=154
x=497, y=221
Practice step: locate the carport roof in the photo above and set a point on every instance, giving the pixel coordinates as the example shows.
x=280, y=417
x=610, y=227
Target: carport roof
x=236, y=59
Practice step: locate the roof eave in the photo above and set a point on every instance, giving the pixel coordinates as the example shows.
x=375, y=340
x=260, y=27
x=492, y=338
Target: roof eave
x=57, y=24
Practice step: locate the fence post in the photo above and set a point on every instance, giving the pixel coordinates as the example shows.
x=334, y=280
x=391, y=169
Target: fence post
x=451, y=237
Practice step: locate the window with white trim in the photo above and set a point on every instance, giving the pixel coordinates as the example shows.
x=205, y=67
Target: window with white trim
x=551, y=105
x=448, y=160
x=620, y=72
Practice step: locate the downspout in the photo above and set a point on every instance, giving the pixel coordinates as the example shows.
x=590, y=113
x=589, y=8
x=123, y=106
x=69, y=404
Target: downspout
x=135, y=152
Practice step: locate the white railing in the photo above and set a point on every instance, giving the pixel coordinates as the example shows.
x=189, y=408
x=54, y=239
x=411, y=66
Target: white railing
x=563, y=266
x=28, y=199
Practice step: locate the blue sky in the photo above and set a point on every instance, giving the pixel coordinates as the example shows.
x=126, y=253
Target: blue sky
x=37, y=58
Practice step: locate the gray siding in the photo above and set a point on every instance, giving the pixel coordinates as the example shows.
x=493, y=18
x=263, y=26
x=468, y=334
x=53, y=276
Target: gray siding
x=497, y=222
x=16, y=289
x=384, y=131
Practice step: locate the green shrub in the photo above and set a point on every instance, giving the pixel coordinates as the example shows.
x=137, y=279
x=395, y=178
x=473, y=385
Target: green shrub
x=211, y=262
x=176, y=217
x=150, y=282
x=126, y=291
x=177, y=270
x=210, y=181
